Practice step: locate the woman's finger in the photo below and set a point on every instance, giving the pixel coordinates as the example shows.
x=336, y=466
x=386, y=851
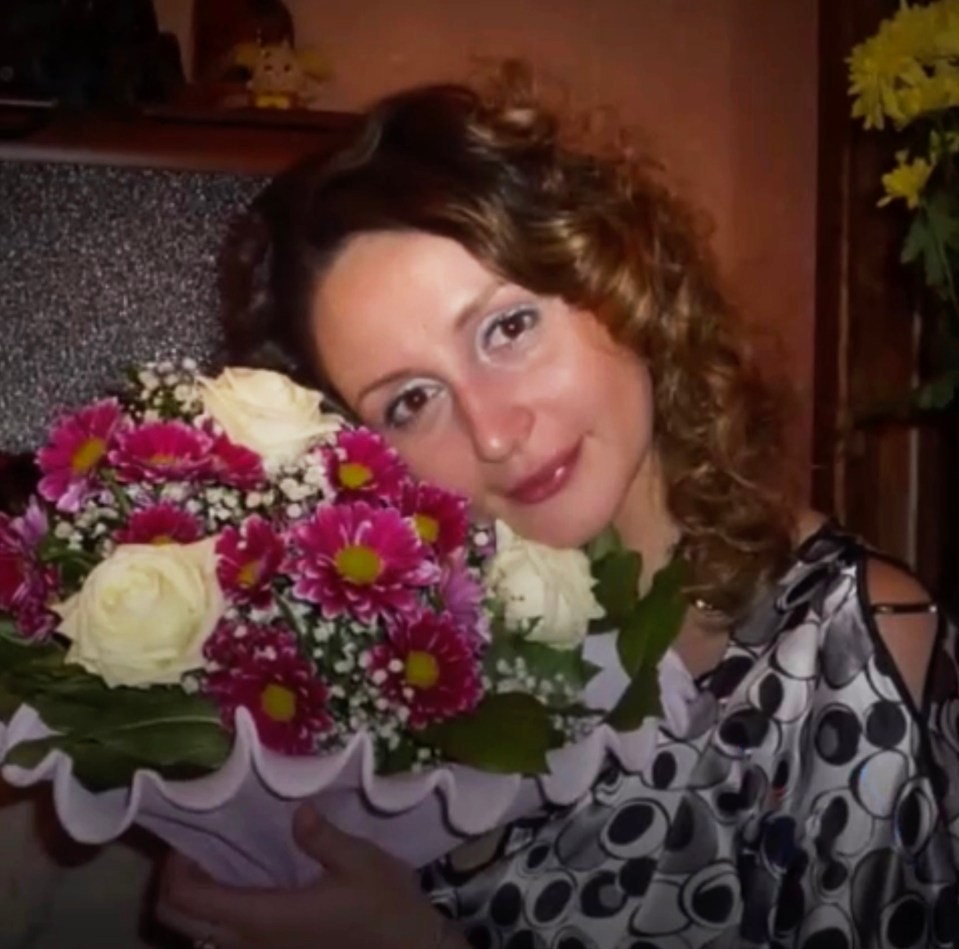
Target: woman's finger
x=191, y=892
x=337, y=851
x=196, y=929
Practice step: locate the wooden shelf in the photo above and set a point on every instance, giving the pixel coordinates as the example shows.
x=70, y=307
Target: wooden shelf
x=242, y=142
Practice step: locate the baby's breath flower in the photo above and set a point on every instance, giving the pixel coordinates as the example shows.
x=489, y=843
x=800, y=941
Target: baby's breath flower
x=314, y=475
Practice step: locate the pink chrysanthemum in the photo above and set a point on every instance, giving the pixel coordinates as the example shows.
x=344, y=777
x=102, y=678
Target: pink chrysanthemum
x=247, y=561
x=268, y=677
x=439, y=517
x=428, y=667
x=34, y=620
x=361, y=465
x=77, y=448
x=25, y=583
x=233, y=465
x=13, y=564
x=160, y=524
x=462, y=596
x=358, y=560
x=161, y=451
x=236, y=643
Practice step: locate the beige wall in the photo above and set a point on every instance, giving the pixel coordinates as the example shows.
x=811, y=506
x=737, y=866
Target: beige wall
x=724, y=89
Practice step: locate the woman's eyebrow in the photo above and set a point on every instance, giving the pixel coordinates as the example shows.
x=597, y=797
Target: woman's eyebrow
x=477, y=304
x=466, y=313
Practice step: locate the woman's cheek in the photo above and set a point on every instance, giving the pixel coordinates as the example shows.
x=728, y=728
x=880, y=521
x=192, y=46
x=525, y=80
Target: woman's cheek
x=449, y=464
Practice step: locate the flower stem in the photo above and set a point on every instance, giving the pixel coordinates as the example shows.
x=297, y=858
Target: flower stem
x=291, y=618
x=123, y=502
x=947, y=173
x=950, y=286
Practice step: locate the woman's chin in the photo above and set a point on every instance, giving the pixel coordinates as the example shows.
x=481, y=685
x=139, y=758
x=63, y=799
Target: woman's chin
x=560, y=530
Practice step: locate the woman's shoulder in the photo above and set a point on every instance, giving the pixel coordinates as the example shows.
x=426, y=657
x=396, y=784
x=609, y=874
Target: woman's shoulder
x=906, y=618
x=862, y=603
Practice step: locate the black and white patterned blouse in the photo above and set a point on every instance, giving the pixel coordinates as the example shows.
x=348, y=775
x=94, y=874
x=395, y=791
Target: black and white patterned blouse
x=811, y=804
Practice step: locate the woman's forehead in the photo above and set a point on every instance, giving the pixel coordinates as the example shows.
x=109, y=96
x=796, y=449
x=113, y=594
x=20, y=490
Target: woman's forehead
x=389, y=296
x=397, y=266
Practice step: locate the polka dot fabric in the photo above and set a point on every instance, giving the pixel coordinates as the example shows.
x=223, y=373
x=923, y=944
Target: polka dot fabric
x=811, y=805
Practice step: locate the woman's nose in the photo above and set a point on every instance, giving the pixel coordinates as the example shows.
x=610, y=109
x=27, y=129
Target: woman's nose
x=497, y=426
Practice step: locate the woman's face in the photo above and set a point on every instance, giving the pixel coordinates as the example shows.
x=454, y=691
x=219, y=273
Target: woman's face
x=520, y=402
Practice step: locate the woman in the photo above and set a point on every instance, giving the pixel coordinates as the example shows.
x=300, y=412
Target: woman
x=537, y=326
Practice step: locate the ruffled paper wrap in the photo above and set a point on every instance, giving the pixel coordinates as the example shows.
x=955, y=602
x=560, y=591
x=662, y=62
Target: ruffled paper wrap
x=236, y=822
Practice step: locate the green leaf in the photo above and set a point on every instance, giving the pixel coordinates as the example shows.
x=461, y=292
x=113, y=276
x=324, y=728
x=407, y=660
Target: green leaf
x=90, y=708
x=508, y=733
x=617, y=580
x=917, y=240
x=655, y=620
x=638, y=702
x=73, y=565
x=543, y=661
x=108, y=732
x=939, y=218
x=165, y=744
x=22, y=657
x=938, y=393
x=606, y=543
x=10, y=701
x=28, y=754
x=109, y=759
x=397, y=760
x=8, y=628
x=942, y=211
x=98, y=767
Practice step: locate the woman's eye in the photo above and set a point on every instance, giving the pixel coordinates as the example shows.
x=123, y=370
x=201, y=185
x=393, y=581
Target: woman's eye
x=403, y=409
x=509, y=327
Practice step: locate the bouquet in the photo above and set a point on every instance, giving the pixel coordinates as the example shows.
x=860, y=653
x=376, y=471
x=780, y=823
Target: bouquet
x=226, y=598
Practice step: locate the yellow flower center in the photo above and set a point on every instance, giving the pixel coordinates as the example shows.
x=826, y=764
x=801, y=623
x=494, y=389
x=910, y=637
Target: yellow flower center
x=161, y=539
x=427, y=527
x=359, y=564
x=353, y=475
x=278, y=702
x=422, y=670
x=249, y=574
x=160, y=460
x=87, y=455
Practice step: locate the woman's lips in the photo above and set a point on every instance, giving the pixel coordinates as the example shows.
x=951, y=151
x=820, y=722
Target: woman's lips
x=549, y=480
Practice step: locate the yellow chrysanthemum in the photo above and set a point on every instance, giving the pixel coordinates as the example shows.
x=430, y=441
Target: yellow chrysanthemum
x=909, y=68
x=907, y=180
x=875, y=69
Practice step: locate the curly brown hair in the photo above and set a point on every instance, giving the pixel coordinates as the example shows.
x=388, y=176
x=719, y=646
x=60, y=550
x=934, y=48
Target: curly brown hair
x=496, y=170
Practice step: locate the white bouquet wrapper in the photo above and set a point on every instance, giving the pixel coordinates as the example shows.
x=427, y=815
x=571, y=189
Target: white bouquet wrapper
x=236, y=822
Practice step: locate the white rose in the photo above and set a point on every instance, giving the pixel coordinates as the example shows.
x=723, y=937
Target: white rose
x=535, y=582
x=267, y=413
x=143, y=614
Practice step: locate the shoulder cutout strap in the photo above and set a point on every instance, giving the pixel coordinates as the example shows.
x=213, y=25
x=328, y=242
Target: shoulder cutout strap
x=905, y=619
x=892, y=609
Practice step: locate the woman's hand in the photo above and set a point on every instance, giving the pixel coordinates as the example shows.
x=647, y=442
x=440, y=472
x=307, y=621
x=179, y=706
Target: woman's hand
x=365, y=900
